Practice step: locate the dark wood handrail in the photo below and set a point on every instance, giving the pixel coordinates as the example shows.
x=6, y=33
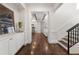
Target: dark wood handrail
x=73, y=27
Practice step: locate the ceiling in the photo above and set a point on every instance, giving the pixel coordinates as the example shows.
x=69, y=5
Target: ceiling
x=52, y=5
x=40, y=4
x=16, y=6
x=39, y=16
x=19, y=6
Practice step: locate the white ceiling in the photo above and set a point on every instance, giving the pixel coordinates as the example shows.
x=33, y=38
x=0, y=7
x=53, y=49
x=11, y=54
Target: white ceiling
x=52, y=5
x=40, y=4
x=16, y=6
x=39, y=16
x=19, y=6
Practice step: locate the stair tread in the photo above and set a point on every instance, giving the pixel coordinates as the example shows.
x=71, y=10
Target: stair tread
x=70, y=41
x=65, y=44
x=70, y=36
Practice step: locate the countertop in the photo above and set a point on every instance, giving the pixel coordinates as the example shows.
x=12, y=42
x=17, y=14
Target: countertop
x=8, y=35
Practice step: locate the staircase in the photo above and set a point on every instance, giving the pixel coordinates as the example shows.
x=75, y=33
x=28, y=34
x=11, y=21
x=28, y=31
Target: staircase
x=71, y=39
x=64, y=43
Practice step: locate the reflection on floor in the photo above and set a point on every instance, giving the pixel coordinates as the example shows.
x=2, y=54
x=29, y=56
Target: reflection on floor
x=40, y=46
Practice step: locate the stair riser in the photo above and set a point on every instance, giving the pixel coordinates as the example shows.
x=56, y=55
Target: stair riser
x=63, y=46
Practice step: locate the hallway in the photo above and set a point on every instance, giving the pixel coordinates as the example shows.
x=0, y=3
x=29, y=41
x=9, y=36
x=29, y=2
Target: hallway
x=39, y=29
x=40, y=46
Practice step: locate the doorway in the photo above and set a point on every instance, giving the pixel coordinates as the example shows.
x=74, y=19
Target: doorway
x=39, y=22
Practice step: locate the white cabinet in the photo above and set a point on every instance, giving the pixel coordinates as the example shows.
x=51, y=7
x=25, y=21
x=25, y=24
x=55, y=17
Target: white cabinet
x=4, y=47
x=12, y=44
x=19, y=40
x=15, y=43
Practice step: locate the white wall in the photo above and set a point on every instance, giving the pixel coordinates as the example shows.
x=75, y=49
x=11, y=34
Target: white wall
x=73, y=21
x=27, y=26
x=44, y=25
x=62, y=20
x=63, y=14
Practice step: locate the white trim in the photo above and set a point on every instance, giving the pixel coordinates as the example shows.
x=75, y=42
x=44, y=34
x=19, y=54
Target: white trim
x=53, y=41
x=65, y=41
x=8, y=7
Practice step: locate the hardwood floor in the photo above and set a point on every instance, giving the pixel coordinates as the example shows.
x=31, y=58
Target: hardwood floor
x=40, y=46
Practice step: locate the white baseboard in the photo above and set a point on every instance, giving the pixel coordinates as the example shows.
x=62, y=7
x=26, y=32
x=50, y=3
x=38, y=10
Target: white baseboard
x=53, y=41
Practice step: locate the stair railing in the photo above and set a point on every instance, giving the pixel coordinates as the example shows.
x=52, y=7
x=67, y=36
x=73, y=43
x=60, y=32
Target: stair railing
x=73, y=36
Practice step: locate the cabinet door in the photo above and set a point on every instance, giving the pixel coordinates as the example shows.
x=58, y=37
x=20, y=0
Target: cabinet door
x=19, y=41
x=12, y=46
x=4, y=47
x=15, y=43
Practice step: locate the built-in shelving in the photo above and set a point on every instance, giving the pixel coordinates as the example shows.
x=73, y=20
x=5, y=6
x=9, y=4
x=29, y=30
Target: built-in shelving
x=6, y=19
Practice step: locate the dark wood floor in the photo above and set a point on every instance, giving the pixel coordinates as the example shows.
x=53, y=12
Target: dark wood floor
x=40, y=46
